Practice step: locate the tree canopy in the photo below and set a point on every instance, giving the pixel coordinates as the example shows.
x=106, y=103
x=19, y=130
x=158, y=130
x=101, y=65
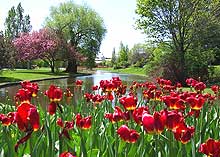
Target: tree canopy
x=79, y=25
x=16, y=22
x=175, y=22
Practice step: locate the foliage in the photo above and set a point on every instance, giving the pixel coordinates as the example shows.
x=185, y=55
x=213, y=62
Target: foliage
x=114, y=58
x=175, y=22
x=163, y=121
x=138, y=55
x=7, y=52
x=79, y=25
x=41, y=44
x=16, y=22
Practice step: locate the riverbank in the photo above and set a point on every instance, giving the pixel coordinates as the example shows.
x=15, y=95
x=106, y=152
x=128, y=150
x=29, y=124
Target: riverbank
x=130, y=70
x=13, y=77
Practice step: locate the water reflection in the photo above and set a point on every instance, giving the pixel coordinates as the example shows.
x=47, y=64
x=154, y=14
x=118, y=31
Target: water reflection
x=89, y=81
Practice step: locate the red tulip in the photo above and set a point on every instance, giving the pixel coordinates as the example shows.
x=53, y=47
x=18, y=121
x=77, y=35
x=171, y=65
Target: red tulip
x=174, y=103
x=117, y=116
x=7, y=119
x=173, y=119
x=83, y=123
x=129, y=102
x=52, y=107
x=215, y=88
x=191, y=82
x=138, y=112
x=32, y=87
x=196, y=103
x=79, y=83
x=211, y=148
x=128, y=135
x=200, y=86
x=67, y=125
x=97, y=99
x=27, y=117
x=95, y=88
x=154, y=124
x=183, y=133
x=67, y=154
x=54, y=94
x=23, y=95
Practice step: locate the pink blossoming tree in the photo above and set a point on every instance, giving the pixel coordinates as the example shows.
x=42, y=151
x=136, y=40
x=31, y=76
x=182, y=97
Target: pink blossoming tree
x=42, y=44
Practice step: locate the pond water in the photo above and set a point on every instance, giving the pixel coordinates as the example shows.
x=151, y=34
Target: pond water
x=89, y=81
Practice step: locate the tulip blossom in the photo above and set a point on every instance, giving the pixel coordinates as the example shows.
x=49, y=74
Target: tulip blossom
x=28, y=120
x=32, y=87
x=154, y=124
x=183, y=133
x=7, y=119
x=54, y=94
x=67, y=154
x=200, y=86
x=78, y=83
x=117, y=116
x=174, y=103
x=211, y=148
x=27, y=117
x=173, y=119
x=128, y=135
x=23, y=95
x=83, y=123
x=67, y=125
x=129, y=102
x=215, y=89
x=138, y=112
x=94, y=88
x=68, y=94
x=191, y=82
x=97, y=99
x=196, y=103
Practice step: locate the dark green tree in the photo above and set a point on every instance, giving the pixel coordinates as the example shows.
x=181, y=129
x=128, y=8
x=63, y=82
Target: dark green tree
x=7, y=52
x=79, y=25
x=16, y=22
x=123, y=53
x=174, y=22
x=114, y=58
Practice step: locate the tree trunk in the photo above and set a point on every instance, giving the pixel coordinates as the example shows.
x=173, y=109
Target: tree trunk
x=52, y=66
x=72, y=66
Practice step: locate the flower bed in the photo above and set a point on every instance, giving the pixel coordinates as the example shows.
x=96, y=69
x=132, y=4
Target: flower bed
x=112, y=120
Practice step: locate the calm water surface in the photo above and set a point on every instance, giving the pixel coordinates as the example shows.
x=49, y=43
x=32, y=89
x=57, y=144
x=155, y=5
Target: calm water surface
x=89, y=81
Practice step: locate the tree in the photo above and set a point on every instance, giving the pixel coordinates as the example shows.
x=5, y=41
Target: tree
x=174, y=21
x=79, y=25
x=114, y=58
x=138, y=55
x=41, y=44
x=7, y=52
x=123, y=55
x=16, y=22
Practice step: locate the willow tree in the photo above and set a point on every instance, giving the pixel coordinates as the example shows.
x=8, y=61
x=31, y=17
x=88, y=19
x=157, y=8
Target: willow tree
x=80, y=26
x=173, y=21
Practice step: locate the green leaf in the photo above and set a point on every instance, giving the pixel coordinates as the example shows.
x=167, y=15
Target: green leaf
x=93, y=153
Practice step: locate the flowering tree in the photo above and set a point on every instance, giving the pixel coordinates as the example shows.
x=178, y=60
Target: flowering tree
x=41, y=44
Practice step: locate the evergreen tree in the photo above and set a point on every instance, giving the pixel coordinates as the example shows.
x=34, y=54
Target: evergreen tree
x=16, y=22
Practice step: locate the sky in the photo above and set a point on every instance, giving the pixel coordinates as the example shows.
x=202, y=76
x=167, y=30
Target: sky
x=118, y=15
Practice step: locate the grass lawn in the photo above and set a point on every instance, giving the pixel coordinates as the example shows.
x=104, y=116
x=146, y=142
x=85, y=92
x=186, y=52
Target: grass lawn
x=130, y=70
x=24, y=74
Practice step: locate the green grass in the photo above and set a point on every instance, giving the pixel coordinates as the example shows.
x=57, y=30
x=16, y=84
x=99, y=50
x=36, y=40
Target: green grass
x=24, y=74
x=130, y=70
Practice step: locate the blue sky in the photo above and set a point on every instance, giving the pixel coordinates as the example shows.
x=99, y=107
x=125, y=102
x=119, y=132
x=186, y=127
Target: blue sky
x=119, y=18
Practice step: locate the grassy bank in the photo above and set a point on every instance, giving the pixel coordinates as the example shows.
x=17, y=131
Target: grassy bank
x=24, y=74
x=130, y=70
